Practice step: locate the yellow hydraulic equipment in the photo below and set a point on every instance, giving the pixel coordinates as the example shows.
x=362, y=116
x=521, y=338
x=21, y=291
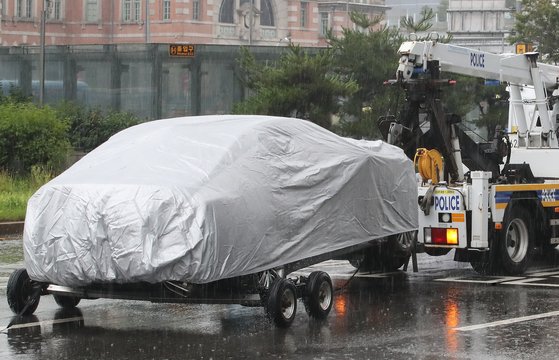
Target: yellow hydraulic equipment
x=429, y=164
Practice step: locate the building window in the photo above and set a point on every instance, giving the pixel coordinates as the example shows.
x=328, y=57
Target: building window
x=195, y=9
x=126, y=8
x=24, y=9
x=55, y=10
x=91, y=10
x=29, y=9
x=166, y=9
x=19, y=8
x=266, y=13
x=324, y=23
x=131, y=10
x=304, y=11
x=3, y=7
x=137, y=10
x=226, y=11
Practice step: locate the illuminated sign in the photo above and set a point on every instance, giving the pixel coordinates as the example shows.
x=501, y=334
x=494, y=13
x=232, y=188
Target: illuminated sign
x=522, y=48
x=181, y=50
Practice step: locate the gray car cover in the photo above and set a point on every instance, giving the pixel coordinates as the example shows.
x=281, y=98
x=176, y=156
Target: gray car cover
x=205, y=198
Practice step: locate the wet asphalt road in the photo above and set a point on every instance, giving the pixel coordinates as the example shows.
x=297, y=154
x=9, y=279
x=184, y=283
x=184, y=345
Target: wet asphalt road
x=446, y=311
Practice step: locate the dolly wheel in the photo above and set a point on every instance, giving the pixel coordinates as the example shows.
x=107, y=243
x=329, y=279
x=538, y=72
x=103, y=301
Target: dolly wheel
x=281, y=306
x=319, y=295
x=66, y=302
x=23, y=295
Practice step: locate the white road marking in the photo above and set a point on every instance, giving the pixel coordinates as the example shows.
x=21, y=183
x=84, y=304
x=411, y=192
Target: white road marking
x=499, y=279
x=507, y=322
x=377, y=275
x=530, y=282
x=545, y=273
x=46, y=322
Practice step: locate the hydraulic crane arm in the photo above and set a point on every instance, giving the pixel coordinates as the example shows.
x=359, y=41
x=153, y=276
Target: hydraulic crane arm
x=429, y=58
x=516, y=70
x=511, y=68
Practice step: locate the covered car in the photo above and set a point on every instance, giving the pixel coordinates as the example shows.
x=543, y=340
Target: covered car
x=199, y=199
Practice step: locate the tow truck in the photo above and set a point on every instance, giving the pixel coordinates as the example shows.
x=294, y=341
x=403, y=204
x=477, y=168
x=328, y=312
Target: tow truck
x=495, y=202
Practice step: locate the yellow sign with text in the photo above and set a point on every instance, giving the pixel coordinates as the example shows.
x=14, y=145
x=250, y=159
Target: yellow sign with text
x=522, y=48
x=181, y=50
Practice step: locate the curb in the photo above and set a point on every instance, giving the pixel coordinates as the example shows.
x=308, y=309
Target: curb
x=11, y=230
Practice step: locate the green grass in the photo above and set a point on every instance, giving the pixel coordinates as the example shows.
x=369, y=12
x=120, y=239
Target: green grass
x=15, y=191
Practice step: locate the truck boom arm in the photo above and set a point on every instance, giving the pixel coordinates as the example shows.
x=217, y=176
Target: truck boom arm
x=430, y=57
x=511, y=68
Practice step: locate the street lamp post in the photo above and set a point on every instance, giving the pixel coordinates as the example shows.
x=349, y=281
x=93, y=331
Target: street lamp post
x=146, y=27
x=46, y=4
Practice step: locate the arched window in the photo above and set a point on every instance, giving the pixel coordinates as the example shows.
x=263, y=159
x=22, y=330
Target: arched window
x=266, y=13
x=226, y=11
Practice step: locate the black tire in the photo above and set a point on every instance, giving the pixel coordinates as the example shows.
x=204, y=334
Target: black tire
x=400, y=249
x=20, y=291
x=367, y=260
x=516, y=241
x=281, y=306
x=319, y=295
x=389, y=255
x=485, y=267
x=66, y=302
x=487, y=262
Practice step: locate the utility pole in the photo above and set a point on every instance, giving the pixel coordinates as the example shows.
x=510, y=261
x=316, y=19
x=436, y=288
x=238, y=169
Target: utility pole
x=46, y=4
x=251, y=20
x=146, y=27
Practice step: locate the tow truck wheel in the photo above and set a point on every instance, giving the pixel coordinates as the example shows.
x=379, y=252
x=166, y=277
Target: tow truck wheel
x=282, y=302
x=515, y=245
x=66, y=302
x=319, y=295
x=389, y=255
x=23, y=298
x=399, y=247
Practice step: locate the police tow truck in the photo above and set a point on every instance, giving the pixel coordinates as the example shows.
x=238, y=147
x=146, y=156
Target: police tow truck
x=495, y=202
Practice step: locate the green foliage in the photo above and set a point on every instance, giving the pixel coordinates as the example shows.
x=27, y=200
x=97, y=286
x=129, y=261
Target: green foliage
x=537, y=23
x=31, y=136
x=16, y=190
x=299, y=85
x=366, y=126
x=471, y=92
x=425, y=21
x=496, y=109
x=369, y=57
x=15, y=95
x=90, y=128
x=461, y=98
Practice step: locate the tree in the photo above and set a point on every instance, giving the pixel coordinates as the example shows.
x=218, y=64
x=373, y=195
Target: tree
x=537, y=22
x=493, y=104
x=299, y=85
x=424, y=23
x=368, y=55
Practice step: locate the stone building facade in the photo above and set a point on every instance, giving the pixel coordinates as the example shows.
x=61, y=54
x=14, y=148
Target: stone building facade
x=226, y=22
x=482, y=24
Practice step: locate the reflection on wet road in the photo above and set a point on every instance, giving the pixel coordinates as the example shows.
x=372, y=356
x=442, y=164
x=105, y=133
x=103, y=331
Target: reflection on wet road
x=444, y=311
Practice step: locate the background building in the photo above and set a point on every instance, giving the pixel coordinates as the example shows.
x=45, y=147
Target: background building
x=231, y=22
x=481, y=24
